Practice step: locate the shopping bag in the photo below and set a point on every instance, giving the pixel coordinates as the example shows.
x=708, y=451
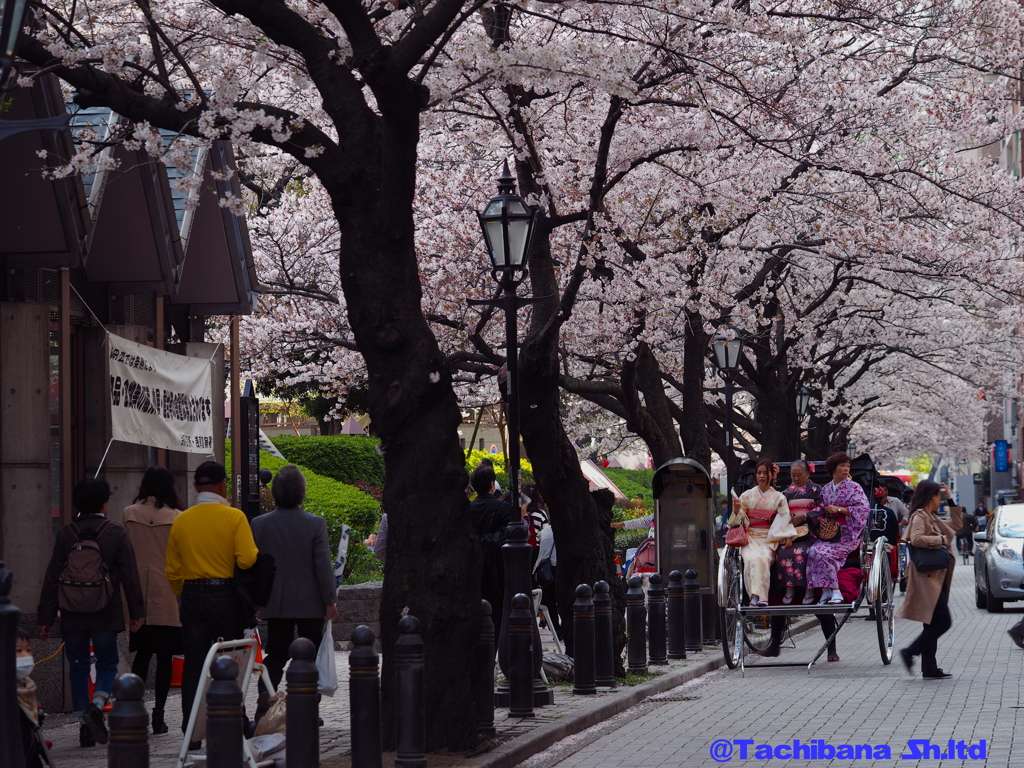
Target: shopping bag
x=328, y=682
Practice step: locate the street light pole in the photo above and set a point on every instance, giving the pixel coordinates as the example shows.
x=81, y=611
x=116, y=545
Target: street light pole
x=507, y=223
x=730, y=477
x=727, y=351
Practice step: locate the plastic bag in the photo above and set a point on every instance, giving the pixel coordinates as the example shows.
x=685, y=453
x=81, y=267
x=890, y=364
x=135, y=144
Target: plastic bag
x=273, y=721
x=328, y=682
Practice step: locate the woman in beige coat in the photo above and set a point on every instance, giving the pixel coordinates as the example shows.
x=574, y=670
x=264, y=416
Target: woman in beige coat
x=148, y=522
x=927, y=594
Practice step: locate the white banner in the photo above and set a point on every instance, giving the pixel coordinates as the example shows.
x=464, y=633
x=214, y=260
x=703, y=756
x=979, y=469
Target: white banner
x=158, y=398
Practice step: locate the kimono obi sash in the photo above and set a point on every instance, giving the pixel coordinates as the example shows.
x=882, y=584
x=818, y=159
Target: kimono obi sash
x=760, y=518
x=801, y=505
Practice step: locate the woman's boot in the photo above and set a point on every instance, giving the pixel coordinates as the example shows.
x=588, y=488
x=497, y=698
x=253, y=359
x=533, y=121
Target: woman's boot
x=159, y=726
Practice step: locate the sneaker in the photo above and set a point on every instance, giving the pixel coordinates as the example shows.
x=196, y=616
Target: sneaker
x=94, y=721
x=85, y=738
x=938, y=674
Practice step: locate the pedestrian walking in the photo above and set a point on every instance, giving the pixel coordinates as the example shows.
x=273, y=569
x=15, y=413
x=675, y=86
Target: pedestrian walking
x=206, y=542
x=927, y=594
x=92, y=562
x=148, y=523
x=304, y=591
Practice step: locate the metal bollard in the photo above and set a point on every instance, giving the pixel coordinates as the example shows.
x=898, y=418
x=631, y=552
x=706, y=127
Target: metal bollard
x=129, y=724
x=656, y=628
x=583, y=670
x=604, y=637
x=224, y=716
x=411, y=720
x=520, y=657
x=10, y=729
x=636, y=627
x=693, y=631
x=484, y=666
x=364, y=699
x=302, y=707
x=674, y=609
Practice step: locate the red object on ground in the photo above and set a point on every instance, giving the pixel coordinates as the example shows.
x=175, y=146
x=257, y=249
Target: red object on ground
x=177, y=667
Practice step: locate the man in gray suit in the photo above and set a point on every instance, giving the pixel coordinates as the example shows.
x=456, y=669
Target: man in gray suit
x=304, y=590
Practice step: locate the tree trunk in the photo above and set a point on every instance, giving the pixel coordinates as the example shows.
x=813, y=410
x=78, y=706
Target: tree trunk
x=585, y=552
x=651, y=416
x=693, y=427
x=434, y=564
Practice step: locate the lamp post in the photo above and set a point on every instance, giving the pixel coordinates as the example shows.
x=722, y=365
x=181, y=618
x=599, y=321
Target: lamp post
x=803, y=401
x=507, y=223
x=727, y=352
x=12, y=21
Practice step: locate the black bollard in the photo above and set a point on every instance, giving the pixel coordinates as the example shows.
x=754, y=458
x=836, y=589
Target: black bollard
x=583, y=670
x=693, y=631
x=411, y=720
x=129, y=724
x=674, y=609
x=10, y=729
x=517, y=557
x=224, y=716
x=656, y=628
x=484, y=666
x=636, y=627
x=302, y=707
x=604, y=637
x=364, y=699
x=520, y=657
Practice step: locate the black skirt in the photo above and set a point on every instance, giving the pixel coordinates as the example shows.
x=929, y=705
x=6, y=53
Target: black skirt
x=154, y=638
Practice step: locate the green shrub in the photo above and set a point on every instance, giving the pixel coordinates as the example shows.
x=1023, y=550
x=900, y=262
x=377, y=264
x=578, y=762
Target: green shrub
x=346, y=458
x=500, y=473
x=633, y=481
x=337, y=503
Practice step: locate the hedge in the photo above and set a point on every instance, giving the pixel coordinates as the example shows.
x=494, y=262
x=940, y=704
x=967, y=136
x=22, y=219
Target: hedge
x=346, y=458
x=337, y=503
x=633, y=481
x=500, y=473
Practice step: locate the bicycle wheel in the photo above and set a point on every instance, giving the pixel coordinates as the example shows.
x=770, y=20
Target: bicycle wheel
x=884, y=615
x=732, y=628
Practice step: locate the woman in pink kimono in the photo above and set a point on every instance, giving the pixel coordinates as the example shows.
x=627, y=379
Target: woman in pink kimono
x=764, y=513
x=845, y=500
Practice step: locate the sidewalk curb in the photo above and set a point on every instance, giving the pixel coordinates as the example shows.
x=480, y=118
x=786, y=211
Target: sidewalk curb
x=515, y=751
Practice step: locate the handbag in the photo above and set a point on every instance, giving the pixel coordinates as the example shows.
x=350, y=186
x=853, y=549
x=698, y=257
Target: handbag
x=325, y=665
x=927, y=560
x=828, y=528
x=545, y=575
x=736, y=537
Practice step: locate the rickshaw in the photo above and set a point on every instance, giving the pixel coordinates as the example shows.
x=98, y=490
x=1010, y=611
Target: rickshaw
x=745, y=625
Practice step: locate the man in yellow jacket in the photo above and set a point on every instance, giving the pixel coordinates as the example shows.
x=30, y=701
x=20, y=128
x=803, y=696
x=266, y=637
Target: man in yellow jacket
x=207, y=541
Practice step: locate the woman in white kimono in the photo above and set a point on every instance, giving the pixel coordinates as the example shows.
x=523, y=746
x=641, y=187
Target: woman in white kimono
x=764, y=513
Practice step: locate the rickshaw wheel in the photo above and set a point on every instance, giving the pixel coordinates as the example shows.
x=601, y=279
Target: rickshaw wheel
x=757, y=633
x=884, y=618
x=732, y=629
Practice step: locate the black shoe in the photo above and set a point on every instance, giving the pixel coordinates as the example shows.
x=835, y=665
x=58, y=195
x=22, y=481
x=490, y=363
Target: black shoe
x=1016, y=638
x=938, y=674
x=908, y=660
x=94, y=720
x=870, y=617
x=159, y=726
x=194, y=745
x=771, y=651
x=85, y=738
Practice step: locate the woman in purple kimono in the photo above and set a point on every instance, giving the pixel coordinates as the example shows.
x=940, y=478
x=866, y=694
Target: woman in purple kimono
x=804, y=499
x=846, y=501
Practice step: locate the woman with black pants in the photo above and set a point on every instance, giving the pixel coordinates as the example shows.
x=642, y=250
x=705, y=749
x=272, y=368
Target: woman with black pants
x=927, y=594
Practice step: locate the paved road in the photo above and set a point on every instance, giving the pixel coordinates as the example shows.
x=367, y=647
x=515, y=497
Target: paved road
x=854, y=701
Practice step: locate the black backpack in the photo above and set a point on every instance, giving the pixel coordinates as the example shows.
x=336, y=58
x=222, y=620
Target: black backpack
x=84, y=584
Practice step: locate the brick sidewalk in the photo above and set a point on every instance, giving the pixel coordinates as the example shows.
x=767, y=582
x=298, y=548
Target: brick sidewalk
x=854, y=701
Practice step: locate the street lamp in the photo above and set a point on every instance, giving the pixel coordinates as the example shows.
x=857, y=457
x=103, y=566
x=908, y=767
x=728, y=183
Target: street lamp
x=803, y=401
x=508, y=223
x=727, y=350
x=12, y=21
